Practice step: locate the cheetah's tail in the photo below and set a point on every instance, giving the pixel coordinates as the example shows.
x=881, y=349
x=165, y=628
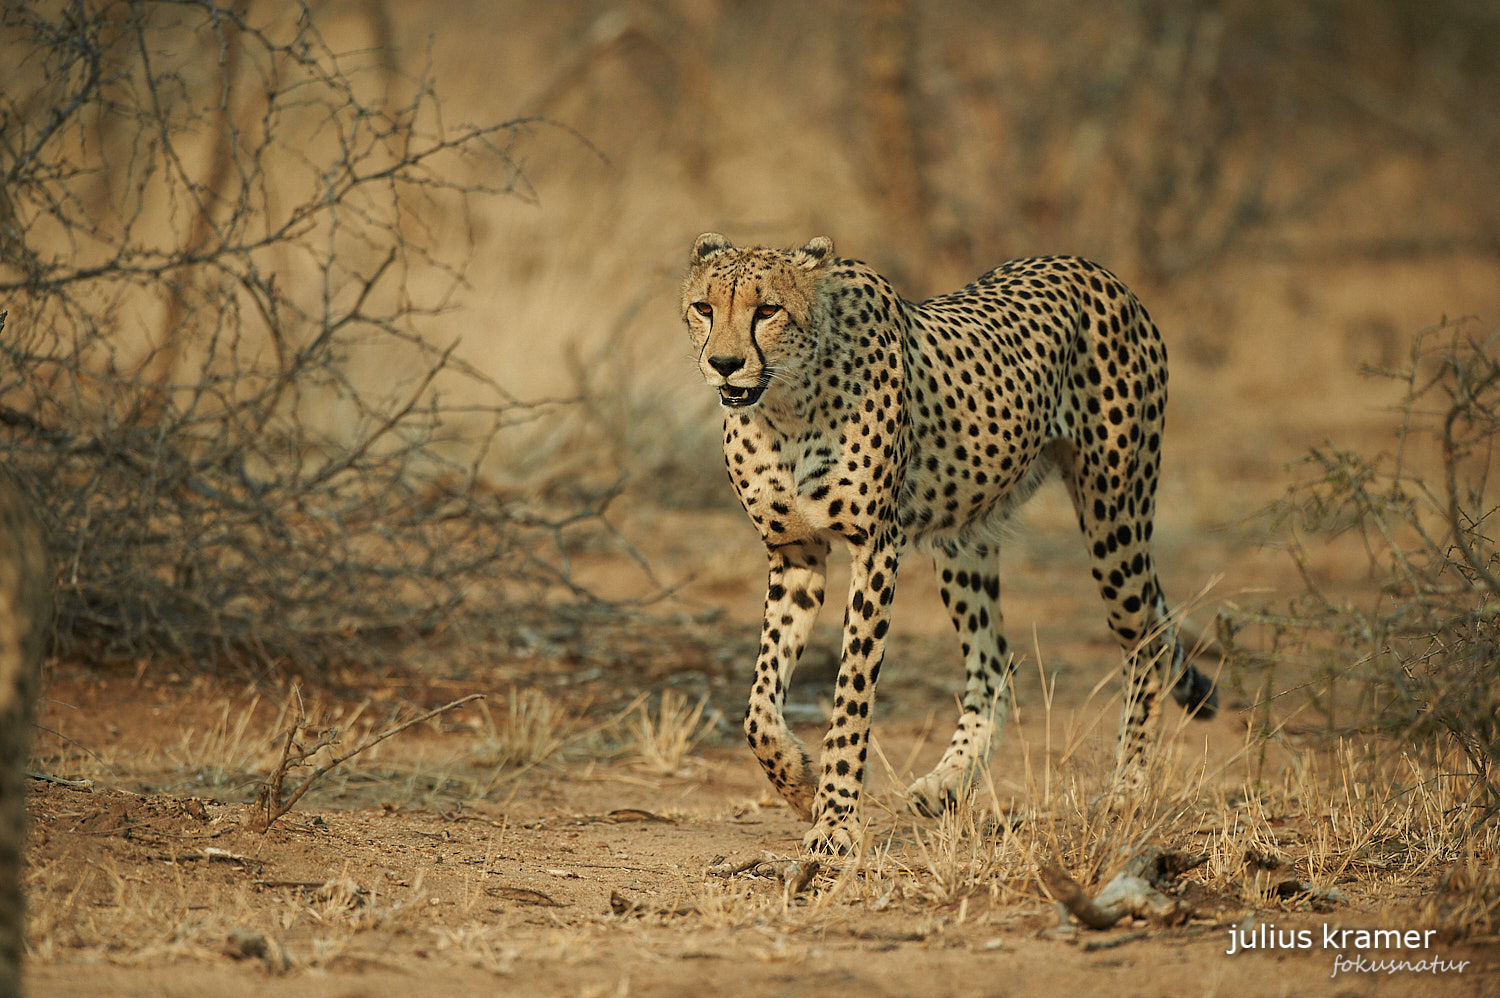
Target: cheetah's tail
x=1196, y=692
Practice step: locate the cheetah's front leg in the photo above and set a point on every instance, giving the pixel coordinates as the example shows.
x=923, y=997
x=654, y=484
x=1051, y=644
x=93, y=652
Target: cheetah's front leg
x=794, y=594
x=872, y=587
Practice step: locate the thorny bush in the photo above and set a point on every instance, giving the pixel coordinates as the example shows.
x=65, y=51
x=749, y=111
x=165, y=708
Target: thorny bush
x=1422, y=656
x=226, y=251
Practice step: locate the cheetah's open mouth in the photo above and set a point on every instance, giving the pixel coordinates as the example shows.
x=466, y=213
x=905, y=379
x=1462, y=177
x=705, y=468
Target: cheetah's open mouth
x=735, y=397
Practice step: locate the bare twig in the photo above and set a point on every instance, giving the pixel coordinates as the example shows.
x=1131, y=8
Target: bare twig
x=1465, y=407
x=269, y=805
x=87, y=786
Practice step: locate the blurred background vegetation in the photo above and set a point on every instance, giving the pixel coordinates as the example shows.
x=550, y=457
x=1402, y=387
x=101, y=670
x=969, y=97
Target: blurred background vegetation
x=1294, y=188
x=346, y=316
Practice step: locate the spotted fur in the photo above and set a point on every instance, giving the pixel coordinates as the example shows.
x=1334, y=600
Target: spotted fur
x=852, y=414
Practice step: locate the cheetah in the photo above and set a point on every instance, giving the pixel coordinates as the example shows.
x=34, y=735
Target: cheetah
x=853, y=414
x=25, y=619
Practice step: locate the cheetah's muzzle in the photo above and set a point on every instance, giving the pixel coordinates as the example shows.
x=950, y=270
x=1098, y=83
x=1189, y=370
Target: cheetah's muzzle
x=735, y=397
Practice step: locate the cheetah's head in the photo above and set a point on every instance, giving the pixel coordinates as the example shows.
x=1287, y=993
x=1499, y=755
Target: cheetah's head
x=751, y=313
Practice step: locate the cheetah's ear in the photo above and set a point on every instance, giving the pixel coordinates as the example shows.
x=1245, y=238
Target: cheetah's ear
x=709, y=244
x=817, y=252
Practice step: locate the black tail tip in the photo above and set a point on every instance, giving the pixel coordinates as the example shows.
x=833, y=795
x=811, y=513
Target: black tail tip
x=1196, y=692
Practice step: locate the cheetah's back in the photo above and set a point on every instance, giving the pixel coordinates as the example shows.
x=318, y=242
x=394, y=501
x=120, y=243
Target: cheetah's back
x=1039, y=362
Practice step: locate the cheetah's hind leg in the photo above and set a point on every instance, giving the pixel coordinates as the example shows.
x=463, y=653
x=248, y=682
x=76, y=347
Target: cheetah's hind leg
x=969, y=582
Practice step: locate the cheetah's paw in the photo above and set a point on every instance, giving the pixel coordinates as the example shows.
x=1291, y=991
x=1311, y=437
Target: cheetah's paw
x=827, y=837
x=935, y=793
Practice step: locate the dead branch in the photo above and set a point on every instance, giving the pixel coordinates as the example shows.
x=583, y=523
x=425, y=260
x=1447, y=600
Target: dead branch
x=619, y=904
x=269, y=805
x=1133, y=891
x=86, y=786
x=794, y=873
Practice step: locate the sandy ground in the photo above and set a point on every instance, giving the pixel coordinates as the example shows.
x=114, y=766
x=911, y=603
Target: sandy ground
x=424, y=869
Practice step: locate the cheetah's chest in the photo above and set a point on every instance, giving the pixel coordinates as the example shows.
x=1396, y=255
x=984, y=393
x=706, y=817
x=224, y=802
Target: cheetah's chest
x=798, y=486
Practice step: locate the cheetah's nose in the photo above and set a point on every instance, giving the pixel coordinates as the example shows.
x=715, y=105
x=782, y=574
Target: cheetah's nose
x=726, y=365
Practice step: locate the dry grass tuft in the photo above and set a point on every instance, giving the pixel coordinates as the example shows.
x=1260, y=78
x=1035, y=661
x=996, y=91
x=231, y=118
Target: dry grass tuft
x=535, y=729
x=228, y=752
x=662, y=740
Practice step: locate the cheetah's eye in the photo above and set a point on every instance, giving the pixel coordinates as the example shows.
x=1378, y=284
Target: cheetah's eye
x=704, y=309
x=766, y=311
